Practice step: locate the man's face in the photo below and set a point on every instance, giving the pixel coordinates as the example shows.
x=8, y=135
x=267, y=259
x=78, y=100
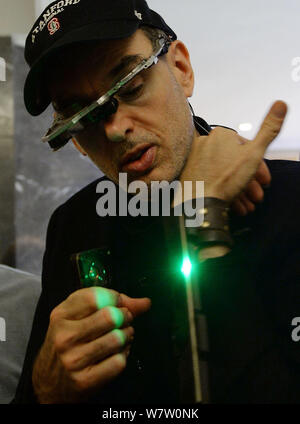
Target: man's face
x=150, y=135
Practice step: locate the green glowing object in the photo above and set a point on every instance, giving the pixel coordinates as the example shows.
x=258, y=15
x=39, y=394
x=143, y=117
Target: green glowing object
x=104, y=297
x=93, y=267
x=186, y=267
x=117, y=316
x=120, y=335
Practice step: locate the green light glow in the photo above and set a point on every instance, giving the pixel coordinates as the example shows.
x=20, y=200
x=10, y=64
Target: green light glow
x=120, y=335
x=186, y=267
x=117, y=316
x=104, y=297
x=94, y=273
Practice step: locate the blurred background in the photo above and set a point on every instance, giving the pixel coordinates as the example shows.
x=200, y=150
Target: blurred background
x=245, y=55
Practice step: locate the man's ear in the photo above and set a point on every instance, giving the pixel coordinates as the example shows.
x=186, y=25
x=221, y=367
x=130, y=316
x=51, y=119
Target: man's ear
x=179, y=61
x=78, y=147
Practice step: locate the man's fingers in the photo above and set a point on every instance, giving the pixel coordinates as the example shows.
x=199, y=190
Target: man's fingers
x=85, y=302
x=271, y=125
x=254, y=192
x=101, y=322
x=263, y=175
x=97, y=376
x=250, y=207
x=239, y=208
x=88, y=354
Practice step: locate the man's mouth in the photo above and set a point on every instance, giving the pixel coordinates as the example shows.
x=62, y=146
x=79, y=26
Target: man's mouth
x=139, y=160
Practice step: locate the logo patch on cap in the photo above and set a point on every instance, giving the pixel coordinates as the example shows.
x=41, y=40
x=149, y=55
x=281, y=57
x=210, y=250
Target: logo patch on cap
x=53, y=26
x=138, y=15
x=46, y=18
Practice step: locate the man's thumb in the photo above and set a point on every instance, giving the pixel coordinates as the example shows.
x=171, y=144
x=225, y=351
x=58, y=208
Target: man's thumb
x=136, y=306
x=271, y=125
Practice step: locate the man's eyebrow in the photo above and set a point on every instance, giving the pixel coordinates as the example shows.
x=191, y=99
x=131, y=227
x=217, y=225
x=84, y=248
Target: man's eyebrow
x=124, y=64
x=120, y=70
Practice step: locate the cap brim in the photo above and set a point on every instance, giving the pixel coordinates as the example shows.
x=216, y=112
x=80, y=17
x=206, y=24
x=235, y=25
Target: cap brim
x=36, y=96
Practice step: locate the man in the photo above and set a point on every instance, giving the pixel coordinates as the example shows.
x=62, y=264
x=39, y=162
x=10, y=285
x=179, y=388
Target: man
x=82, y=346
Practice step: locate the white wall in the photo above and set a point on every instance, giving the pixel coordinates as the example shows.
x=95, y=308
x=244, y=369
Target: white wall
x=40, y=5
x=16, y=16
x=242, y=54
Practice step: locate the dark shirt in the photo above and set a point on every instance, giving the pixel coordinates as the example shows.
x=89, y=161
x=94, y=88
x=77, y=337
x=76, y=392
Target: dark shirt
x=249, y=297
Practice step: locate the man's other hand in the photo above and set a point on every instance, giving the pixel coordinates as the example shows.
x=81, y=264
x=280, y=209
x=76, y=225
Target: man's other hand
x=87, y=344
x=232, y=167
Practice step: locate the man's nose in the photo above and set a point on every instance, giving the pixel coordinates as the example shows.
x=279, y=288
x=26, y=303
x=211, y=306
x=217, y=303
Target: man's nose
x=118, y=126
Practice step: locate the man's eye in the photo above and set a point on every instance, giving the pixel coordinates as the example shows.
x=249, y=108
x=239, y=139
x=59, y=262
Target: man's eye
x=71, y=110
x=130, y=93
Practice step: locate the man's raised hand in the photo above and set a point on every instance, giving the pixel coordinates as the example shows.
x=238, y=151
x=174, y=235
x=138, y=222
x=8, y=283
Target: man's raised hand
x=227, y=163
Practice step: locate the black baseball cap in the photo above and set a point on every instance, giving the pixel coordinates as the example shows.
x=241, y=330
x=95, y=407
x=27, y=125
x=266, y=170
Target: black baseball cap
x=65, y=22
